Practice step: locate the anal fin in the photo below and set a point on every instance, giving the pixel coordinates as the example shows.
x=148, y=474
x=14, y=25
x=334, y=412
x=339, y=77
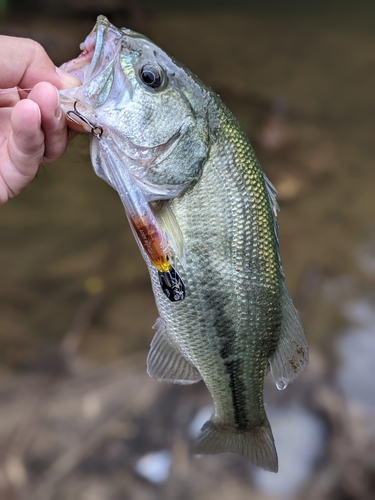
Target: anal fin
x=292, y=352
x=166, y=363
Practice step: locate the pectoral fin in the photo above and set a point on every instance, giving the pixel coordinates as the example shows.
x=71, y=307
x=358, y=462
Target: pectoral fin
x=170, y=226
x=292, y=352
x=166, y=363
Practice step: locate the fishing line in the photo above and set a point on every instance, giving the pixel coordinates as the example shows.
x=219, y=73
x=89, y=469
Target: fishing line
x=9, y=97
x=14, y=89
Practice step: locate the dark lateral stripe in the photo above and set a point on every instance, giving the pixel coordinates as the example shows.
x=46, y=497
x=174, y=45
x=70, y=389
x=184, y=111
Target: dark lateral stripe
x=226, y=333
x=238, y=393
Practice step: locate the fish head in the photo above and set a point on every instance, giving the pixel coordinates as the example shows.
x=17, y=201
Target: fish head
x=153, y=109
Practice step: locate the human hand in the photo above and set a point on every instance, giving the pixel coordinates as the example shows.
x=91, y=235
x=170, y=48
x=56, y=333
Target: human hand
x=33, y=130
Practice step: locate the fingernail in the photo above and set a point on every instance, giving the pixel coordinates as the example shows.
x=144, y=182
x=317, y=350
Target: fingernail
x=66, y=77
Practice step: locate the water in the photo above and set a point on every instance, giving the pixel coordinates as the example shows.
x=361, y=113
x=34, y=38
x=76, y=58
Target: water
x=203, y=415
x=154, y=466
x=299, y=437
x=356, y=348
x=281, y=385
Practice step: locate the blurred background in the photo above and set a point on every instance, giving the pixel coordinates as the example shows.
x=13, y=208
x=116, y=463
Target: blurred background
x=79, y=418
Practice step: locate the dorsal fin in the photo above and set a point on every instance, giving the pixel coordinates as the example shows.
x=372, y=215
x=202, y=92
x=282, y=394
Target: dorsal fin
x=271, y=192
x=292, y=352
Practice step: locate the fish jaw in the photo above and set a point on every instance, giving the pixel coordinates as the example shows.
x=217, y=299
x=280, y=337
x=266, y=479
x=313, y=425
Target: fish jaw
x=95, y=53
x=150, y=127
x=79, y=65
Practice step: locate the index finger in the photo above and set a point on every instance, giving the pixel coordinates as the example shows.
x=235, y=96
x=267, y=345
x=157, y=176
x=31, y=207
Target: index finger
x=24, y=63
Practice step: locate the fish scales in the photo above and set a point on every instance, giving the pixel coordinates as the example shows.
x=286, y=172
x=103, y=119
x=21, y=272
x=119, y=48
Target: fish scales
x=180, y=160
x=231, y=325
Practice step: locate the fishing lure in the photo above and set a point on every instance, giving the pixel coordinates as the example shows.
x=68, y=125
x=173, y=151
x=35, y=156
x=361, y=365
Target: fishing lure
x=96, y=130
x=149, y=236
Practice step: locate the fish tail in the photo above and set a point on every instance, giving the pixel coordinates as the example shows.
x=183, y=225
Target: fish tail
x=257, y=444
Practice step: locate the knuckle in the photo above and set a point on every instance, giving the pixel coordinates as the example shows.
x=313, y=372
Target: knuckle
x=37, y=49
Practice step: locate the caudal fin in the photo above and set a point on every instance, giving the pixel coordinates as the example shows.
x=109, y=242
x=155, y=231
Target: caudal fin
x=257, y=444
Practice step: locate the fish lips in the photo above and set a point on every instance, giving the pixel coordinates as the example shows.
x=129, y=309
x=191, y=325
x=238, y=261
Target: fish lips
x=99, y=50
x=97, y=67
x=107, y=46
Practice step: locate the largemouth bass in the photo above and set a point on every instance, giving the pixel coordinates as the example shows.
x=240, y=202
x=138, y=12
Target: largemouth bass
x=204, y=216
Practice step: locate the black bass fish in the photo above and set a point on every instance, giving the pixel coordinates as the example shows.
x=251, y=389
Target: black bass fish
x=204, y=216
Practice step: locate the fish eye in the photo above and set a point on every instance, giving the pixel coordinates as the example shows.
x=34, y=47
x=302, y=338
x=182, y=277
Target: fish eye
x=151, y=76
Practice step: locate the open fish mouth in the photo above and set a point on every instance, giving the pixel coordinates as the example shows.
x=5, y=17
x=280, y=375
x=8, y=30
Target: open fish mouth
x=99, y=50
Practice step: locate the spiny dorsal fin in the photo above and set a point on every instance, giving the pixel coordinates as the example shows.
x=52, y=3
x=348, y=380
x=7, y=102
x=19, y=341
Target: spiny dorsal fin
x=166, y=363
x=272, y=192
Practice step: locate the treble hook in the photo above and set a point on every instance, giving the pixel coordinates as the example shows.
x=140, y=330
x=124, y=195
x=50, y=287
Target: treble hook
x=96, y=130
